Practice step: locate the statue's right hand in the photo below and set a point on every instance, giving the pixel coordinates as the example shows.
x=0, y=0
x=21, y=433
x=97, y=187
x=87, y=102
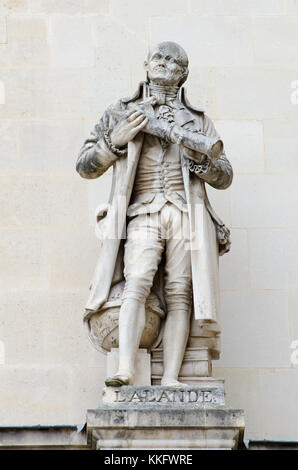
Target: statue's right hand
x=127, y=128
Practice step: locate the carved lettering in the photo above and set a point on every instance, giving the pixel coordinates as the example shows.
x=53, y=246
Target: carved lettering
x=117, y=396
x=207, y=397
x=158, y=395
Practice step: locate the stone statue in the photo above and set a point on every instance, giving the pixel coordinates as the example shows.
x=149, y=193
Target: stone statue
x=159, y=236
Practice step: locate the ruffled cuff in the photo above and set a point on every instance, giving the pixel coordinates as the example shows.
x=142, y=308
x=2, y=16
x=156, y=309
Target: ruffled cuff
x=199, y=168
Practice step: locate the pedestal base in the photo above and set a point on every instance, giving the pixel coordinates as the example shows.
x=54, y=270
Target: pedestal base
x=154, y=417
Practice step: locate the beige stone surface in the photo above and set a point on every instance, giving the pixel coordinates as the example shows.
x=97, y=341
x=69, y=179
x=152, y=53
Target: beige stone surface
x=255, y=329
x=275, y=197
x=234, y=269
x=269, y=48
x=281, y=145
x=278, y=407
x=26, y=43
x=33, y=200
x=255, y=92
x=292, y=7
x=200, y=88
x=236, y=7
x=2, y=92
x=68, y=7
x=41, y=93
x=46, y=146
x=243, y=391
x=71, y=42
x=9, y=147
x=38, y=394
x=3, y=33
x=244, y=143
x=61, y=64
x=210, y=41
x=280, y=271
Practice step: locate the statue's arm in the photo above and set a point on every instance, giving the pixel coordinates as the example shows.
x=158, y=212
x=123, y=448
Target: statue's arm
x=216, y=172
x=96, y=155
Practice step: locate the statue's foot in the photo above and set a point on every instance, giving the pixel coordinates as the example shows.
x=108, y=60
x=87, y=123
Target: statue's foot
x=117, y=380
x=167, y=382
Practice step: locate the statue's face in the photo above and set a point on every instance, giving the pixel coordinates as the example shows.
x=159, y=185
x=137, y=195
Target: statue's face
x=164, y=66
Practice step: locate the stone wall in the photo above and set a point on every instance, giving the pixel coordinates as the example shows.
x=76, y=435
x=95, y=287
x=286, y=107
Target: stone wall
x=61, y=63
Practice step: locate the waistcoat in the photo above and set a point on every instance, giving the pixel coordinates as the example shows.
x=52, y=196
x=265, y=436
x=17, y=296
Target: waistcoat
x=158, y=179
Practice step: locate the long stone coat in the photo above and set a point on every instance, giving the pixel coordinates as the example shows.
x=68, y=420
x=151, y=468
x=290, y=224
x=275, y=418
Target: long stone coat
x=210, y=237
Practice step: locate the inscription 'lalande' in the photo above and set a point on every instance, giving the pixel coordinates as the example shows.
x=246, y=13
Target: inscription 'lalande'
x=166, y=396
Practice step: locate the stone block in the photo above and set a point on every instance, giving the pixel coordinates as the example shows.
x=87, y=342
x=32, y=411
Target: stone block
x=235, y=8
x=208, y=392
x=281, y=145
x=254, y=93
x=269, y=49
x=3, y=32
x=221, y=201
x=196, y=363
x=38, y=329
x=22, y=258
x=50, y=146
x=41, y=93
x=215, y=41
x=26, y=42
x=142, y=371
x=126, y=8
x=13, y=6
x=200, y=88
x=71, y=42
x=87, y=385
x=278, y=404
x=242, y=386
x=273, y=259
x=293, y=317
x=68, y=267
x=65, y=338
x=255, y=329
x=136, y=15
x=35, y=395
x=107, y=44
x=113, y=79
x=22, y=326
x=2, y=93
x=270, y=195
x=244, y=145
x=70, y=7
x=292, y=7
x=36, y=200
x=164, y=426
x=233, y=267
x=9, y=141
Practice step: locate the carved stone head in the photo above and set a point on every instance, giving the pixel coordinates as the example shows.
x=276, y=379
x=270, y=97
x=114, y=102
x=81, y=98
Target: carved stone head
x=167, y=64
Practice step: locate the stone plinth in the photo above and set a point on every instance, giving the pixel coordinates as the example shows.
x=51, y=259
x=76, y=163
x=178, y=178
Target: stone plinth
x=196, y=364
x=155, y=417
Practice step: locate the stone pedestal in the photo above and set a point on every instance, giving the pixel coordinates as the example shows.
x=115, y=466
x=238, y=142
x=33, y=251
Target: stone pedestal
x=155, y=417
x=196, y=364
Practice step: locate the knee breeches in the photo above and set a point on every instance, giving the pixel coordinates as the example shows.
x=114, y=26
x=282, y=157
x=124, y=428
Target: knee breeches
x=148, y=235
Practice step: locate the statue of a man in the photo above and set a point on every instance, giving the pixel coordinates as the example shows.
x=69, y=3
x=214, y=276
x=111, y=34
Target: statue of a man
x=163, y=151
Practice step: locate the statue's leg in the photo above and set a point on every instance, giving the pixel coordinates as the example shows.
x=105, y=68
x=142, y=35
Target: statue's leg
x=142, y=253
x=178, y=295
